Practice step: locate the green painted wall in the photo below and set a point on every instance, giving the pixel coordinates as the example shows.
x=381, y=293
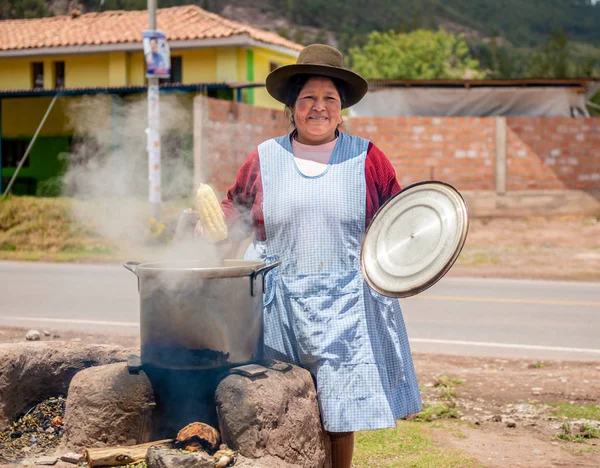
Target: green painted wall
x=250, y=75
x=44, y=163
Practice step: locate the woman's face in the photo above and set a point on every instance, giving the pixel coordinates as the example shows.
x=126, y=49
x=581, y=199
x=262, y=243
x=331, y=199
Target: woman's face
x=317, y=111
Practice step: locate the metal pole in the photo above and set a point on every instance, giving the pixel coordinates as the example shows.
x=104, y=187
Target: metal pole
x=0, y=145
x=37, y=132
x=153, y=129
x=115, y=142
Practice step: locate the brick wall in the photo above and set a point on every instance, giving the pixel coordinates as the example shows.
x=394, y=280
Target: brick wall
x=459, y=151
x=232, y=131
x=541, y=153
x=553, y=153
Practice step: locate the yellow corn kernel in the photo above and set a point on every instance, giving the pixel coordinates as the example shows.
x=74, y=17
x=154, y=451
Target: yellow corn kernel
x=211, y=214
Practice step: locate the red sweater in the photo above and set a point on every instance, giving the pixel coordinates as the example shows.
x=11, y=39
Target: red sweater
x=243, y=205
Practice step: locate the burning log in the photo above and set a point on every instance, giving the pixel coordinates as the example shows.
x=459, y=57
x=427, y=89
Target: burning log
x=116, y=456
x=199, y=436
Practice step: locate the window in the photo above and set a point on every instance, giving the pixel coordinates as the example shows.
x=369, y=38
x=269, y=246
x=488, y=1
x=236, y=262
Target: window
x=274, y=66
x=21, y=186
x=13, y=151
x=37, y=74
x=176, y=69
x=59, y=75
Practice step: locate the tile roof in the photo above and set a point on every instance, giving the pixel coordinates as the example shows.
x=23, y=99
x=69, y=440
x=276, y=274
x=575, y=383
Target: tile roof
x=188, y=22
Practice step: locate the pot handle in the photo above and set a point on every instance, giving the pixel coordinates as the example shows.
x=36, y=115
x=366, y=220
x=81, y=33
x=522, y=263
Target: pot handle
x=262, y=270
x=266, y=268
x=131, y=266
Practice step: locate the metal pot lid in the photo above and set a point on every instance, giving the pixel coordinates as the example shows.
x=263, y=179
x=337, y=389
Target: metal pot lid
x=414, y=239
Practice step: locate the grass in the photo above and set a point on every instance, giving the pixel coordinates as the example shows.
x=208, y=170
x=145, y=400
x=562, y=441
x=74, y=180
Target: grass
x=572, y=411
x=446, y=385
x=445, y=381
x=31, y=224
x=68, y=230
x=436, y=411
x=62, y=257
x=587, y=432
x=408, y=445
x=579, y=451
x=477, y=258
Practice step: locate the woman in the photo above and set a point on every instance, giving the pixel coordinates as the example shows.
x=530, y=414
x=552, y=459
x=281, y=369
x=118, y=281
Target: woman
x=309, y=197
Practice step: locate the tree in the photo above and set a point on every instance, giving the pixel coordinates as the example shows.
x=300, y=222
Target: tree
x=299, y=36
x=284, y=32
x=500, y=61
x=322, y=37
x=419, y=55
x=22, y=9
x=554, y=60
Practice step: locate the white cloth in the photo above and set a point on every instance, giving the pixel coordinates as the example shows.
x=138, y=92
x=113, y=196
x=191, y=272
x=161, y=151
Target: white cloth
x=312, y=160
x=472, y=102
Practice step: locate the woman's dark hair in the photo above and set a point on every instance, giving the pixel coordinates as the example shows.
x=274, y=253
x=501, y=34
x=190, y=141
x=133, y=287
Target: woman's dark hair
x=297, y=83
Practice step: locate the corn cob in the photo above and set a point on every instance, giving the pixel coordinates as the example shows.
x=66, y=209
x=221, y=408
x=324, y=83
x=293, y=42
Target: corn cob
x=211, y=214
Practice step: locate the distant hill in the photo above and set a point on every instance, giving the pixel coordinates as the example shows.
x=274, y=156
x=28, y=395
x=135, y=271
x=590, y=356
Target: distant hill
x=523, y=23
x=502, y=34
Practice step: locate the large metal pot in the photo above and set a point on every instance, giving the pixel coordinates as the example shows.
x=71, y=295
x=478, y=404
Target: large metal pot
x=196, y=316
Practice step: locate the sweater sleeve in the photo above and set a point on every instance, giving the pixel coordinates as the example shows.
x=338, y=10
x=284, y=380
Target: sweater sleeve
x=381, y=181
x=242, y=207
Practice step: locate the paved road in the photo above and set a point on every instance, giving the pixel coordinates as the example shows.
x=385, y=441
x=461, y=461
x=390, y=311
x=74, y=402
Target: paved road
x=536, y=319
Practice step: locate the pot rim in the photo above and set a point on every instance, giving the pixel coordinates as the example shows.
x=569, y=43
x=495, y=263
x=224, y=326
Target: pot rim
x=228, y=268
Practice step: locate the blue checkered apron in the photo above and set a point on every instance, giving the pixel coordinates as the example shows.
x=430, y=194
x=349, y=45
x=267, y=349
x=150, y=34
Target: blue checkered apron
x=319, y=312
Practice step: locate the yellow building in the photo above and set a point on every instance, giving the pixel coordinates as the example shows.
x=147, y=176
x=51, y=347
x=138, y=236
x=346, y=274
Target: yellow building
x=102, y=54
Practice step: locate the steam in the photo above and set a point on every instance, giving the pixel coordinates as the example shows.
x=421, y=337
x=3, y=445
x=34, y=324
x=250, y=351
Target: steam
x=108, y=170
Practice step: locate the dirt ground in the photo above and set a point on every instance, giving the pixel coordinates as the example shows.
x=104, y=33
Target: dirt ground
x=490, y=395
x=498, y=393
x=566, y=248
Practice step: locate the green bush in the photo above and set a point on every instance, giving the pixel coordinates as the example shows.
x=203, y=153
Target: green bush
x=52, y=187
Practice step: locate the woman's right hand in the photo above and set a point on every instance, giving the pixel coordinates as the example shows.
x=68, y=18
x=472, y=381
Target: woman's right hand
x=186, y=225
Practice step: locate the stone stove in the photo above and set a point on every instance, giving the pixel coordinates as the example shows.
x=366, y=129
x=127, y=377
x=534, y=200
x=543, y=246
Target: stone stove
x=266, y=412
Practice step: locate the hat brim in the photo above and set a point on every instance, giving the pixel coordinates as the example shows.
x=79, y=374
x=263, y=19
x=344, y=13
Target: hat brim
x=278, y=79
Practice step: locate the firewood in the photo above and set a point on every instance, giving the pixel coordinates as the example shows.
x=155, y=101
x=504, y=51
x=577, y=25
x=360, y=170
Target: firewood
x=116, y=456
x=198, y=436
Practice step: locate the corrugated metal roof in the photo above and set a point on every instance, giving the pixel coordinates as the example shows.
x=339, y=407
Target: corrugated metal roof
x=443, y=83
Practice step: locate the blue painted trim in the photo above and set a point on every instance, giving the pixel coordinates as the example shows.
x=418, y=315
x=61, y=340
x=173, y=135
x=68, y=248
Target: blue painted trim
x=167, y=89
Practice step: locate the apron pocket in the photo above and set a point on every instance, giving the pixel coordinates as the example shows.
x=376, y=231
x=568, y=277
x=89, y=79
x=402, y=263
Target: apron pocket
x=327, y=318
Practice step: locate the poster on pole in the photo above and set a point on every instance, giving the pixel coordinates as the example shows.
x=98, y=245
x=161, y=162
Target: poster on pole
x=158, y=56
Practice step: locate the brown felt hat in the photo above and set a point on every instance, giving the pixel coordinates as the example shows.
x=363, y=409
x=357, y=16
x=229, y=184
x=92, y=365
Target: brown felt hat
x=321, y=60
